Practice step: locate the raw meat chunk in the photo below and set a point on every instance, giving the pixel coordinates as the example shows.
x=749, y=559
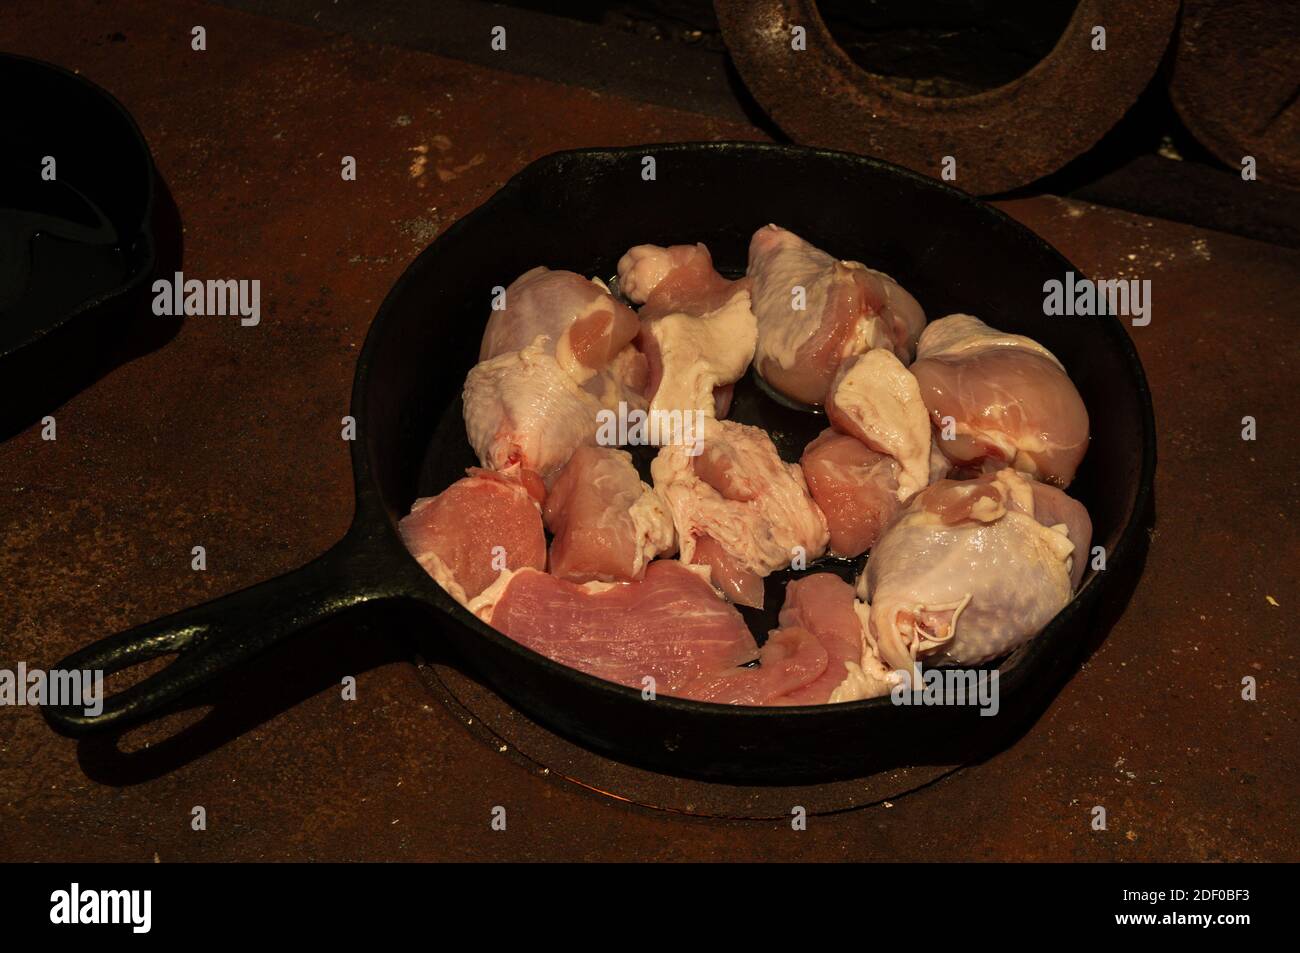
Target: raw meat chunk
x=1009, y=400
x=697, y=330
x=671, y=626
x=877, y=400
x=578, y=321
x=878, y=455
x=551, y=360
x=790, y=659
x=472, y=531
x=969, y=571
x=856, y=487
x=739, y=494
x=677, y=279
x=607, y=524
x=847, y=308
x=824, y=605
x=817, y=656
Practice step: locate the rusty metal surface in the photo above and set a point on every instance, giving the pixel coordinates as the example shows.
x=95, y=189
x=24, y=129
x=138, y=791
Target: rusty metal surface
x=228, y=437
x=1001, y=139
x=1235, y=81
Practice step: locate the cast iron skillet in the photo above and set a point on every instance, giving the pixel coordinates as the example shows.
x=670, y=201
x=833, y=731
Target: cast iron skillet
x=70, y=246
x=580, y=210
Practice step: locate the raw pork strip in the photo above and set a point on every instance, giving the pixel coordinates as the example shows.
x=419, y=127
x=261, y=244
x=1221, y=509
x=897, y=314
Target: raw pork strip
x=823, y=604
x=671, y=626
x=790, y=659
x=817, y=656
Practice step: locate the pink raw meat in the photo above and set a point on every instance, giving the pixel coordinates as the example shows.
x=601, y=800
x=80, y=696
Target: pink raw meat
x=557, y=355
x=739, y=508
x=814, y=311
x=697, y=329
x=679, y=278
x=790, y=659
x=671, y=626
x=822, y=603
x=607, y=524
x=1007, y=399
x=972, y=569
x=854, y=486
x=568, y=311
x=455, y=534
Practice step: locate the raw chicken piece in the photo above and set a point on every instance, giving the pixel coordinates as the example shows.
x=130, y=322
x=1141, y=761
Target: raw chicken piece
x=578, y=321
x=970, y=571
x=607, y=524
x=477, y=528
x=817, y=656
x=848, y=309
x=1010, y=399
x=823, y=604
x=676, y=279
x=697, y=330
x=878, y=455
x=789, y=660
x=1053, y=508
x=671, y=626
x=558, y=354
x=524, y=412
x=739, y=508
x=856, y=487
x=876, y=399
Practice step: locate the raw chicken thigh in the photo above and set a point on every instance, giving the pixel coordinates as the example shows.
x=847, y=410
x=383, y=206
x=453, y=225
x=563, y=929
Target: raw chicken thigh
x=607, y=524
x=477, y=528
x=847, y=309
x=878, y=454
x=1009, y=397
x=697, y=330
x=973, y=569
x=551, y=360
x=671, y=626
x=739, y=508
x=579, y=321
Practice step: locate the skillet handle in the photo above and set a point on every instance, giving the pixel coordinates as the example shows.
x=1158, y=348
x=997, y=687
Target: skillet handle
x=211, y=639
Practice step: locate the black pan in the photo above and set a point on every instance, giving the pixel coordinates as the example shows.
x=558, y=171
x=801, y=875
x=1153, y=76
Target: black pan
x=72, y=246
x=580, y=210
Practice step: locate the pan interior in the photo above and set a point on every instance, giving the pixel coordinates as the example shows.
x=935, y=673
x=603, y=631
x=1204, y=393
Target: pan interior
x=580, y=211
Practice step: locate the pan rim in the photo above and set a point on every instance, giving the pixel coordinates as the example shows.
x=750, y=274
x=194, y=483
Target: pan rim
x=370, y=506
